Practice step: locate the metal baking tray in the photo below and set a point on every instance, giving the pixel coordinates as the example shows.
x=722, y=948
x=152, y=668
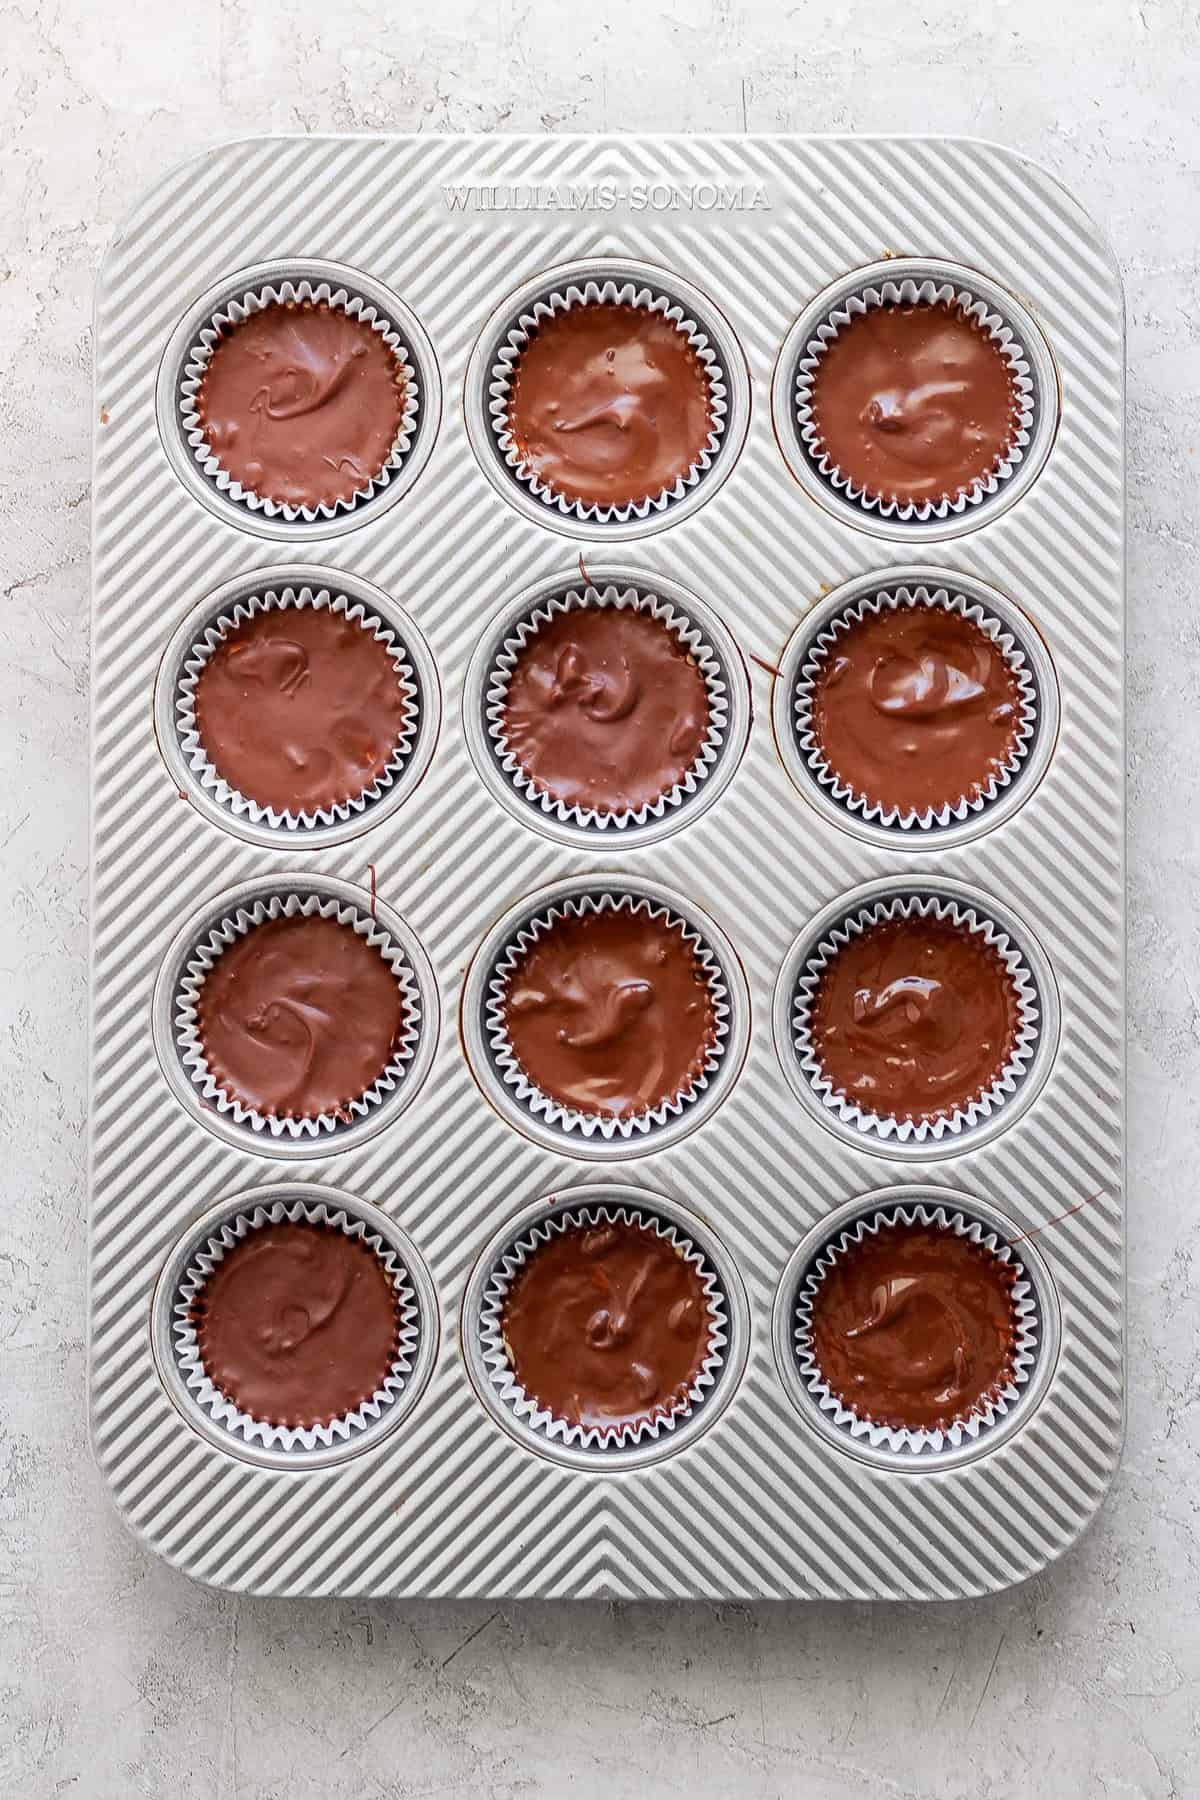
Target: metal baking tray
x=761, y=1499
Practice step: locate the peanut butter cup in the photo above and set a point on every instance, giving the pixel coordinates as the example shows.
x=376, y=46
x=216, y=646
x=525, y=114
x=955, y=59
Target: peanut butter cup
x=301, y=403
x=607, y=1325
x=610, y=1013
x=605, y=709
x=300, y=708
x=299, y=1017
x=914, y=1019
x=915, y=709
x=914, y=403
x=610, y=405
x=298, y=1324
x=914, y=1327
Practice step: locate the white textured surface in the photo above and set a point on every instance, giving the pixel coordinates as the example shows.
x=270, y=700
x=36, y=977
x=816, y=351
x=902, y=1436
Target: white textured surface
x=1084, y=1682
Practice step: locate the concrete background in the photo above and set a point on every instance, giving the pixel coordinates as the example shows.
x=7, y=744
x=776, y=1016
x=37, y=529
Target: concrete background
x=120, y=1678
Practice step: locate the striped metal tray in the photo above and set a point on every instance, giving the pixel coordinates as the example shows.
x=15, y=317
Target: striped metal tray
x=761, y=1500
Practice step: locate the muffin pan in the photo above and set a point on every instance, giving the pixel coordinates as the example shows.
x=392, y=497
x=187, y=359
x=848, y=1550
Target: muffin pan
x=450, y=1483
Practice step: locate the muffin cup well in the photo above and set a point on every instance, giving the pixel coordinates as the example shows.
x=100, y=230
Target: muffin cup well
x=592, y=292
x=913, y=598
x=911, y=1441
x=499, y=1366
x=224, y=626
x=224, y=1411
x=690, y=639
x=231, y=314
x=911, y=291
x=944, y=910
x=543, y=1106
x=226, y=932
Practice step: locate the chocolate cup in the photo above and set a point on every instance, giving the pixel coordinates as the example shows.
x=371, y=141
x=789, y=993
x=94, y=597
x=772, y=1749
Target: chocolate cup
x=498, y=1365
x=499, y=388
x=911, y=290
x=891, y=817
x=221, y=1408
x=203, y=957
x=690, y=638
x=542, y=1105
x=225, y=625
x=884, y=1128
x=198, y=356
x=906, y=1440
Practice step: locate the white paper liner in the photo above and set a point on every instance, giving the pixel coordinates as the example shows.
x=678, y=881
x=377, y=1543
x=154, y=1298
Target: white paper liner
x=289, y=906
x=908, y=293
x=893, y=599
x=967, y=918
x=609, y=293
x=499, y=1365
x=690, y=639
x=258, y=299
x=221, y=1408
x=567, y=1118
x=226, y=625
x=912, y=1440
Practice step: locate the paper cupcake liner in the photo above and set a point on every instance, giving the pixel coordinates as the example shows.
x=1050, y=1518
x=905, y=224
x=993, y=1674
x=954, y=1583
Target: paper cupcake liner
x=913, y=1440
x=217, y=1404
x=907, y=293
x=610, y=293
x=224, y=626
x=690, y=638
x=233, y=313
x=967, y=918
x=821, y=649
x=553, y=1112
x=499, y=1365
x=219, y=939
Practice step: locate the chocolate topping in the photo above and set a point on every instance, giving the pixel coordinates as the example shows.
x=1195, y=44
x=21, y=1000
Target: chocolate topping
x=607, y=1324
x=914, y=403
x=914, y=1327
x=611, y=1013
x=299, y=1017
x=916, y=708
x=914, y=1019
x=605, y=709
x=298, y=1324
x=609, y=404
x=301, y=403
x=300, y=708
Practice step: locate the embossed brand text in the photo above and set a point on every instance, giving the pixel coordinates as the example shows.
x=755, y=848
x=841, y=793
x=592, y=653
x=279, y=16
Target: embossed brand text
x=606, y=196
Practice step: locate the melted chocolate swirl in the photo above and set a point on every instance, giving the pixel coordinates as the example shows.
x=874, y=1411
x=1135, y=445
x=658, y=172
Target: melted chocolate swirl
x=914, y=1019
x=610, y=1013
x=298, y=1324
x=610, y=405
x=300, y=709
x=607, y=1324
x=605, y=709
x=299, y=1017
x=301, y=403
x=914, y=403
x=916, y=708
x=914, y=1326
